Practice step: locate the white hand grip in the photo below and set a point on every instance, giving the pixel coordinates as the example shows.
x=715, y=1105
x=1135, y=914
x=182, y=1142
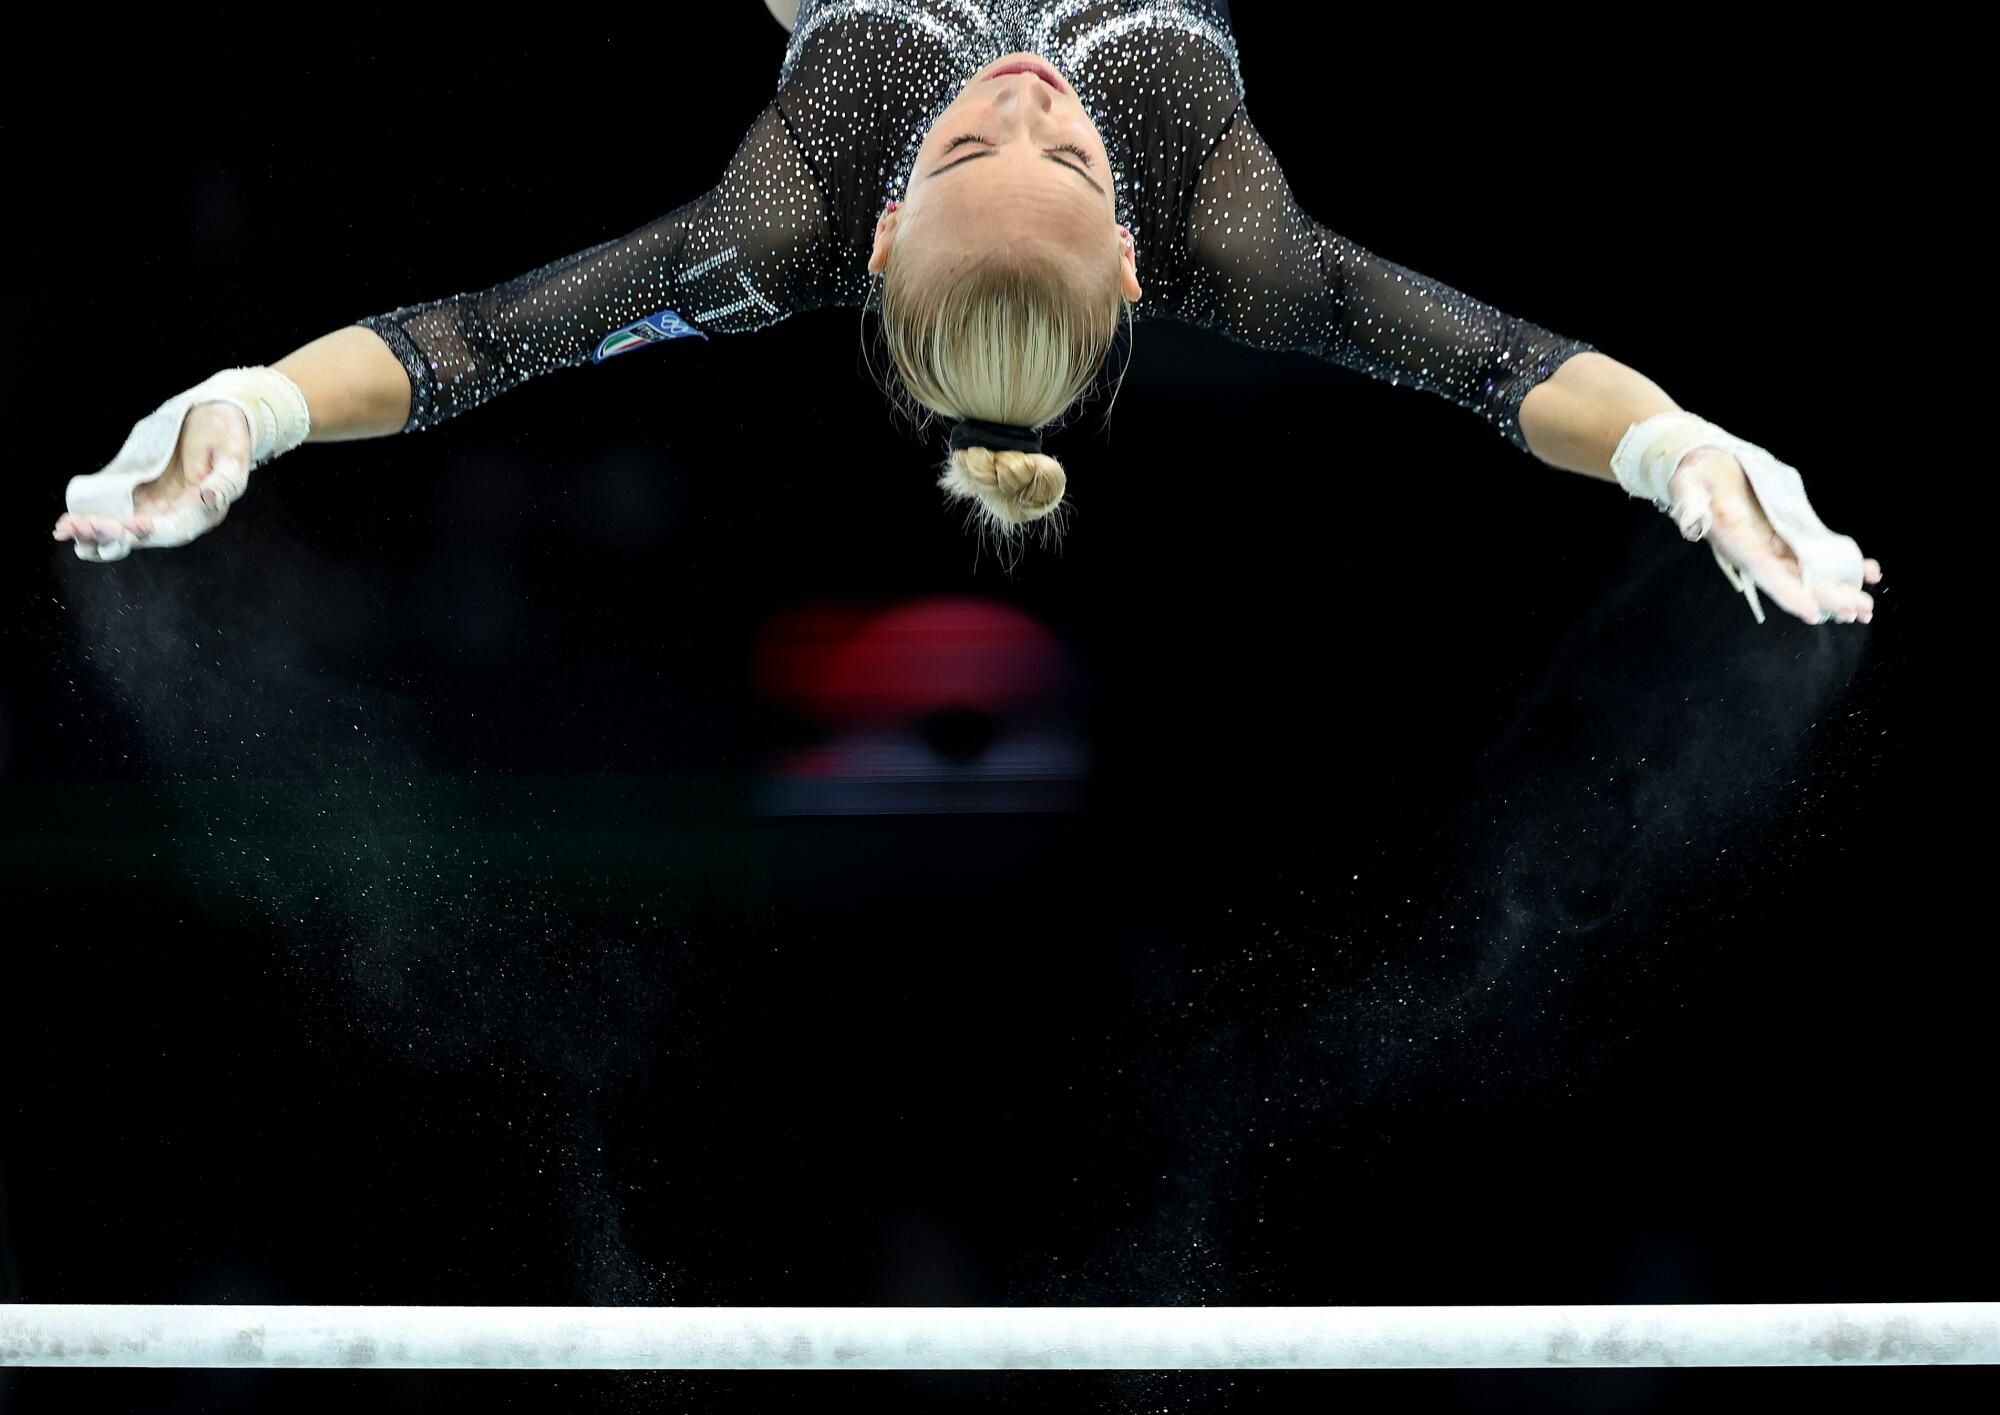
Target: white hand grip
x=1651, y=451
x=279, y=421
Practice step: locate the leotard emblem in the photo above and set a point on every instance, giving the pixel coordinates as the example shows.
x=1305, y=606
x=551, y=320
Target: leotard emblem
x=650, y=330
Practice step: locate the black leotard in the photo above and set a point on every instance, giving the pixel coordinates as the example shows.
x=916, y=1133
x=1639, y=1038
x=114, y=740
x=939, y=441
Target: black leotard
x=1221, y=243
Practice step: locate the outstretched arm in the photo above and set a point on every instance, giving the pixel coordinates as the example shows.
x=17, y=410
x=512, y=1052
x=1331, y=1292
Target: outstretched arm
x=1265, y=272
x=745, y=254
x=1574, y=418
x=1269, y=274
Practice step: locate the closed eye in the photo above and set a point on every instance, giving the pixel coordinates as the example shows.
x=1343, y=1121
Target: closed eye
x=964, y=138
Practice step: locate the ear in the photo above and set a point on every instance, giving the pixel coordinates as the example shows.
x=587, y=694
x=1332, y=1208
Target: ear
x=1128, y=260
x=885, y=237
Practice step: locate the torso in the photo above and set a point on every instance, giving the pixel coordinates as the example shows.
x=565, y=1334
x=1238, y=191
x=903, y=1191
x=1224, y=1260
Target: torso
x=1159, y=78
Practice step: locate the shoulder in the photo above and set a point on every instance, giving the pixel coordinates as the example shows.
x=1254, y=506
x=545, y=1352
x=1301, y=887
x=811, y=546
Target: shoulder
x=786, y=12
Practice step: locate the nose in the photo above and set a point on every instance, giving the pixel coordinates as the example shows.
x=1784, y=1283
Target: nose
x=1033, y=95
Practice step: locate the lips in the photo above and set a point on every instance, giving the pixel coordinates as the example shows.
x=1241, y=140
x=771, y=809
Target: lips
x=1031, y=66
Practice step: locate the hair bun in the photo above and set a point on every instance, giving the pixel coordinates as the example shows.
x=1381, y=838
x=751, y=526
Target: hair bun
x=1013, y=487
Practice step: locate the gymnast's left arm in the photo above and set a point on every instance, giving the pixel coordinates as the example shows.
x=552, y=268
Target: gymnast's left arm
x=752, y=250
x=1604, y=419
x=1263, y=271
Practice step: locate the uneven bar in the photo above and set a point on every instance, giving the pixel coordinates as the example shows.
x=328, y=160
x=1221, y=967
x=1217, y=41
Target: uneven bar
x=999, y=1338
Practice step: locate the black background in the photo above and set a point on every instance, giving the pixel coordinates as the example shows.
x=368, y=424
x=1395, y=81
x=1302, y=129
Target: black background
x=1470, y=904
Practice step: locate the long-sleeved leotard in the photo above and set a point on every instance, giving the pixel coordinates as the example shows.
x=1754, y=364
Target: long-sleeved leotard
x=1221, y=242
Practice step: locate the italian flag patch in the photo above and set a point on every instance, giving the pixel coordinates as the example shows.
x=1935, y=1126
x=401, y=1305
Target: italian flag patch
x=650, y=330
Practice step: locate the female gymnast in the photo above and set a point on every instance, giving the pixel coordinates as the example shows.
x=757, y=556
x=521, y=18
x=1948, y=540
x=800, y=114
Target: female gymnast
x=1005, y=182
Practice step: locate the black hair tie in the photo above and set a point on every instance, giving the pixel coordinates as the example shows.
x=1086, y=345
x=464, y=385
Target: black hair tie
x=974, y=432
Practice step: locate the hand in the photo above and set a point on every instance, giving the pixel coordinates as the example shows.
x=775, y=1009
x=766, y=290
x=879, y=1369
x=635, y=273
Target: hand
x=1714, y=501
x=209, y=470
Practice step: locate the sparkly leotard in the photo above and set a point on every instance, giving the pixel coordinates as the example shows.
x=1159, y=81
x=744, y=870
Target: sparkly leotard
x=1220, y=241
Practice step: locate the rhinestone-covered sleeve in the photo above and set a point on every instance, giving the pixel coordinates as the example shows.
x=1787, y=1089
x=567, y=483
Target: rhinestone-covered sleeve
x=1264, y=272
x=745, y=254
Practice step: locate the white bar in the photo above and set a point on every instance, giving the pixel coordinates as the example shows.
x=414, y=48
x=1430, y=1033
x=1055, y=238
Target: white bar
x=1000, y=1338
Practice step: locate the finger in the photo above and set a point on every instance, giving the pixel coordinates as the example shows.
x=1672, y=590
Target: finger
x=224, y=447
x=228, y=474
x=97, y=537
x=190, y=518
x=1781, y=582
x=80, y=528
x=105, y=543
x=1844, y=602
x=222, y=467
x=1871, y=571
x=209, y=427
x=1693, y=512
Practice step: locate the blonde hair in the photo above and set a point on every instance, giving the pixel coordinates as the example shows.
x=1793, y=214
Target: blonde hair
x=1015, y=337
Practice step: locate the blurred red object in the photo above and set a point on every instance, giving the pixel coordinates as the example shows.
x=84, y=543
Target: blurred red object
x=842, y=664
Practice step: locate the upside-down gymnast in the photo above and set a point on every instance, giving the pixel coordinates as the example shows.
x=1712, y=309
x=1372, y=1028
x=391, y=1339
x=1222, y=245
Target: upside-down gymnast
x=1006, y=182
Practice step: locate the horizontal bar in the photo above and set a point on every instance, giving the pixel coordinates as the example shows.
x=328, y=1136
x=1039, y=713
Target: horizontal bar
x=1000, y=1338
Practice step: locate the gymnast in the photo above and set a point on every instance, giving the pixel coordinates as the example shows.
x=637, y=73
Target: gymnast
x=1005, y=184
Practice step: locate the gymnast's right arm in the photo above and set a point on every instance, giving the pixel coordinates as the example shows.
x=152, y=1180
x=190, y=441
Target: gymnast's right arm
x=752, y=250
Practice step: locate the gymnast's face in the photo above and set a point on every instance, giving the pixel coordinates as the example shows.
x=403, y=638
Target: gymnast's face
x=1014, y=158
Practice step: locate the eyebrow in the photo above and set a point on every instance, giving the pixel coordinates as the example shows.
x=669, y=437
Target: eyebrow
x=988, y=152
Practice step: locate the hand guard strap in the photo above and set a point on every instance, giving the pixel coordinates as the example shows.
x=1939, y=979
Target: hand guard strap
x=279, y=421
x=1650, y=453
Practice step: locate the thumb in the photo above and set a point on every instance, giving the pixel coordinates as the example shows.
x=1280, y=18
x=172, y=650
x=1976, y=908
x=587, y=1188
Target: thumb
x=227, y=479
x=1692, y=510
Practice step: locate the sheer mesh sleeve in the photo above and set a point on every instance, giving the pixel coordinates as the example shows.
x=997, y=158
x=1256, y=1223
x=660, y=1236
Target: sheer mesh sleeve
x=747, y=253
x=1264, y=272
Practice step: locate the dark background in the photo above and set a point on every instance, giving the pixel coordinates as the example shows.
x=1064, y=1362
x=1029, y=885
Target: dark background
x=1467, y=902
